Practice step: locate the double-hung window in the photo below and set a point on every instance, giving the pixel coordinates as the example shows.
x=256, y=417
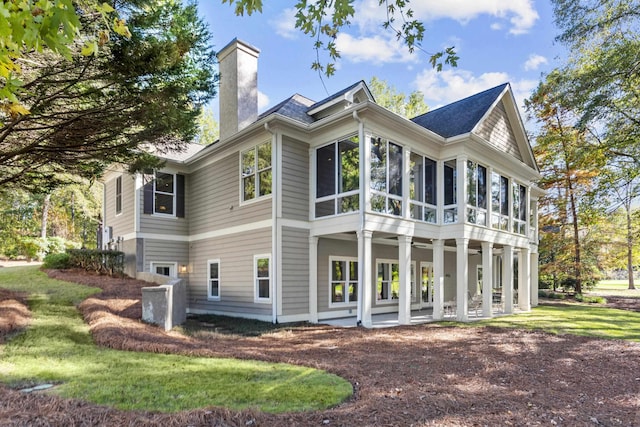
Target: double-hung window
x=423, y=185
x=213, y=285
x=344, y=280
x=338, y=178
x=519, y=208
x=499, y=202
x=256, y=172
x=262, y=275
x=119, y=195
x=164, y=192
x=476, y=193
x=386, y=177
x=388, y=281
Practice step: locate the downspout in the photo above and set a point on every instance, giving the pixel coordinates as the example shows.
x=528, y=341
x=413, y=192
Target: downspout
x=361, y=183
x=275, y=192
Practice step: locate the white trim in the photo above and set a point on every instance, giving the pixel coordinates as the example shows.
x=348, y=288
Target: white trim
x=173, y=267
x=256, y=173
x=383, y=302
x=174, y=195
x=267, y=223
x=208, y=275
x=347, y=280
x=256, y=298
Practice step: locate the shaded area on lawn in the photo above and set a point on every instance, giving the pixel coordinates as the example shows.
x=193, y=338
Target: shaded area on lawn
x=424, y=375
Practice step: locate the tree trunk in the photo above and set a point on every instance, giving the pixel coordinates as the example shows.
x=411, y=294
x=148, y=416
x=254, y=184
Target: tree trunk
x=629, y=246
x=45, y=215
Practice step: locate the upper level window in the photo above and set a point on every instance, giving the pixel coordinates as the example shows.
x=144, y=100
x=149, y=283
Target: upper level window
x=450, y=192
x=338, y=178
x=386, y=177
x=519, y=208
x=423, y=185
x=476, y=193
x=119, y=195
x=164, y=194
x=256, y=172
x=499, y=201
x=164, y=191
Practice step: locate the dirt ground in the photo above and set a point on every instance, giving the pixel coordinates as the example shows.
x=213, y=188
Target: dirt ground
x=423, y=375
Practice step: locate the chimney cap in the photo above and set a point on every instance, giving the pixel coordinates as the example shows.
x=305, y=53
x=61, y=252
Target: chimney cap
x=238, y=44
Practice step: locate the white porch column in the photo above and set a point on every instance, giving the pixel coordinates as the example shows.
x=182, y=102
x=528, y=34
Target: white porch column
x=533, y=265
x=404, y=259
x=507, y=278
x=313, y=279
x=462, y=279
x=487, y=279
x=438, y=279
x=524, y=280
x=366, y=281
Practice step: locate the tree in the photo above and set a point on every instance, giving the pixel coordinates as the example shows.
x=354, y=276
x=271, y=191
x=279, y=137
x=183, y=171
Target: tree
x=323, y=20
x=398, y=102
x=91, y=111
x=208, y=127
x=568, y=162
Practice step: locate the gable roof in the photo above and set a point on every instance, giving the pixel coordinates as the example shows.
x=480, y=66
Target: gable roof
x=295, y=107
x=461, y=116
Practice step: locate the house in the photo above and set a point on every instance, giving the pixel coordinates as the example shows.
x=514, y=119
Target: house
x=339, y=208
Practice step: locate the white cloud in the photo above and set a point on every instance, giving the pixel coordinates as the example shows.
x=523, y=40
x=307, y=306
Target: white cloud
x=263, y=101
x=534, y=62
x=521, y=14
x=441, y=88
x=374, y=49
x=285, y=24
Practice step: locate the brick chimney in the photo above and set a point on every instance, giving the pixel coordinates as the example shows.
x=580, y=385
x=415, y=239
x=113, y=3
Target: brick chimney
x=238, y=65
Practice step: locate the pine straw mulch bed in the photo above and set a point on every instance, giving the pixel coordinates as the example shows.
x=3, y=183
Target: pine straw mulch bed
x=421, y=375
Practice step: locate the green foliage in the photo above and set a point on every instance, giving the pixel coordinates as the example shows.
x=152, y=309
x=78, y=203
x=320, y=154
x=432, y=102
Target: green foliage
x=97, y=261
x=590, y=299
x=58, y=261
x=388, y=97
x=91, y=111
x=551, y=295
x=58, y=348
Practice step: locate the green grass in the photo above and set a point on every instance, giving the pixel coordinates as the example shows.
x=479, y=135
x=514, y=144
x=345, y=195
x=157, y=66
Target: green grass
x=57, y=348
x=574, y=319
x=615, y=288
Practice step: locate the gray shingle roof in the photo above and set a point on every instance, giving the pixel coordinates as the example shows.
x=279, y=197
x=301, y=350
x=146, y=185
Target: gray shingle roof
x=295, y=108
x=461, y=116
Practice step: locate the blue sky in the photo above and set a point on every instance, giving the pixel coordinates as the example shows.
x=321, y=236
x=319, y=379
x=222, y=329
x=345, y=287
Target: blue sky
x=498, y=41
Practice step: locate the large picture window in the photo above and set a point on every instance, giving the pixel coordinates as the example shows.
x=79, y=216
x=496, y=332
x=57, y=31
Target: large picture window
x=499, y=202
x=423, y=186
x=519, y=209
x=450, y=192
x=476, y=193
x=386, y=177
x=213, y=288
x=256, y=172
x=338, y=178
x=343, y=280
x=262, y=274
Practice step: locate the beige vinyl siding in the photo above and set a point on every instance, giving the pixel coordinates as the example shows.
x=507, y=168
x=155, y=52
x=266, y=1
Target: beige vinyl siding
x=165, y=251
x=497, y=130
x=235, y=253
x=165, y=224
x=213, y=197
x=295, y=179
x=295, y=271
x=123, y=223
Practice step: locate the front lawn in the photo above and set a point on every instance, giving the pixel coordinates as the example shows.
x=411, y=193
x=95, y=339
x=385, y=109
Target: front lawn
x=58, y=349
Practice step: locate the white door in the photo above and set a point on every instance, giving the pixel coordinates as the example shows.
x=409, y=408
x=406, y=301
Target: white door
x=426, y=284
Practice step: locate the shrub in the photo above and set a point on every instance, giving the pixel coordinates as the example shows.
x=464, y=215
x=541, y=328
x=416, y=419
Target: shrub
x=34, y=248
x=591, y=300
x=56, y=261
x=103, y=262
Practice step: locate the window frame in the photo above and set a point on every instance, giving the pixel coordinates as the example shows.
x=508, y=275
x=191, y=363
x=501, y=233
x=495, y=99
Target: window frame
x=476, y=198
x=256, y=279
x=255, y=172
x=450, y=210
x=347, y=282
x=210, y=295
x=118, y=195
x=173, y=267
x=519, y=211
x=337, y=196
x=173, y=195
x=417, y=205
x=390, y=299
x=393, y=202
x=499, y=220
